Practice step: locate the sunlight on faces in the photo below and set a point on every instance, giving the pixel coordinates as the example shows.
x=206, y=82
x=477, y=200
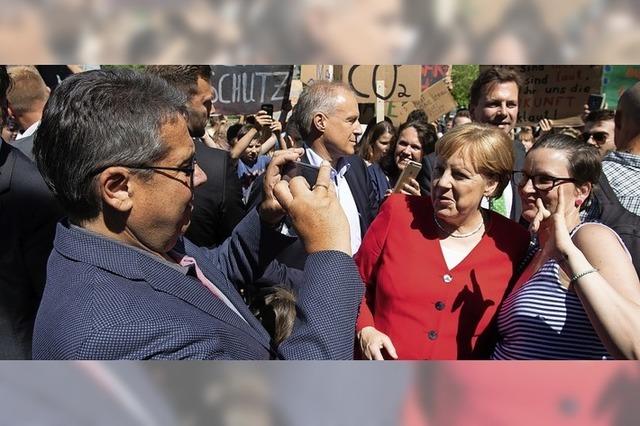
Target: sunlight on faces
x=341, y=127
x=162, y=205
x=498, y=106
x=408, y=148
x=459, y=121
x=457, y=189
x=554, y=163
x=606, y=128
x=250, y=154
x=199, y=107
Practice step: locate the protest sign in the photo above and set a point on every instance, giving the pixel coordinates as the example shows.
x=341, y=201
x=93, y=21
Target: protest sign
x=616, y=79
x=431, y=74
x=398, y=111
x=555, y=91
x=242, y=89
x=436, y=101
x=310, y=73
x=401, y=82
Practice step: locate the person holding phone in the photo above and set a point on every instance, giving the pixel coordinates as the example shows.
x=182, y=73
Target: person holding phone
x=411, y=142
x=437, y=268
x=579, y=296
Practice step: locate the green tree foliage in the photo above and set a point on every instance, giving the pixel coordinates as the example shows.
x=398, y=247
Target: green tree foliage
x=462, y=77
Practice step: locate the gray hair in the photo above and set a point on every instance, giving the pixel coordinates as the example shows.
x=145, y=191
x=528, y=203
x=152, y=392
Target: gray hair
x=98, y=119
x=320, y=96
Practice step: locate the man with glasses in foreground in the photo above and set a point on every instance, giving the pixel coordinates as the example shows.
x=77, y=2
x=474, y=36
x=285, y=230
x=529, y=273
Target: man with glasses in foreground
x=122, y=282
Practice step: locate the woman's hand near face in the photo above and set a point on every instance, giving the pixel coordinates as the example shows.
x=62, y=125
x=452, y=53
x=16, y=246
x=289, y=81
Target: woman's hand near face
x=551, y=228
x=411, y=188
x=372, y=342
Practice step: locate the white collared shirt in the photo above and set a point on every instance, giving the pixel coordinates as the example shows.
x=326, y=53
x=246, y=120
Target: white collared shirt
x=345, y=197
x=31, y=130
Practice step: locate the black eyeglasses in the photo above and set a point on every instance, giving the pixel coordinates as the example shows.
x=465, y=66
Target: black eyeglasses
x=189, y=170
x=599, y=137
x=540, y=182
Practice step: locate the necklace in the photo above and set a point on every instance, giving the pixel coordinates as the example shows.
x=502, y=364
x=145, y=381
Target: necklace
x=454, y=235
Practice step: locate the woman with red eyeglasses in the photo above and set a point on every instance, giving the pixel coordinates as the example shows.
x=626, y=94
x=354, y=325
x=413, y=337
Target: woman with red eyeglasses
x=579, y=296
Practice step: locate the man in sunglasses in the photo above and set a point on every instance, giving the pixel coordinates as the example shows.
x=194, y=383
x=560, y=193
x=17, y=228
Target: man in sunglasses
x=616, y=201
x=599, y=130
x=122, y=282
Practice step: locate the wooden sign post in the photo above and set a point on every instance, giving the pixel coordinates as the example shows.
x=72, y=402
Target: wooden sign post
x=379, y=102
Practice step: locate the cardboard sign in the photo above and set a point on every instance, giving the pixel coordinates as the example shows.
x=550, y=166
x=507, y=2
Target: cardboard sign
x=431, y=74
x=436, y=101
x=310, y=73
x=555, y=91
x=401, y=82
x=398, y=111
x=616, y=79
x=242, y=89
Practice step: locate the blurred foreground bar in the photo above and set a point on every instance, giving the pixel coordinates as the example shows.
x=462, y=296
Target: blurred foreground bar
x=320, y=393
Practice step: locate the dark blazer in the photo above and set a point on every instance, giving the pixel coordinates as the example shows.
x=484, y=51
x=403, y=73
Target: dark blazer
x=106, y=300
x=25, y=145
x=364, y=195
x=217, y=204
x=429, y=163
x=28, y=214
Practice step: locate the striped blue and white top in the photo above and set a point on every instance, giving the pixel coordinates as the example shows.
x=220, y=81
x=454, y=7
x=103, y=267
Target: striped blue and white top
x=543, y=320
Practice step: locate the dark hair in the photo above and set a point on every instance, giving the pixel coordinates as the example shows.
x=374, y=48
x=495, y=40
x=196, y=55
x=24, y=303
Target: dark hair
x=426, y=133
x=427, y=137
x=183, y=77
x=490, y=77
x=291, y=129
x=232, y=131
x=100, y=118
x=462, y=112
x=418, y=115
x=245, y=129
x=600, y=115
x=584, y=159
x=275, y=308
x=5, y=83
x=377, y=130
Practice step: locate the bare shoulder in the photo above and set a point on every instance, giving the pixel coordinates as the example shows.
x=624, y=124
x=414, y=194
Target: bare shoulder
x=595, y=239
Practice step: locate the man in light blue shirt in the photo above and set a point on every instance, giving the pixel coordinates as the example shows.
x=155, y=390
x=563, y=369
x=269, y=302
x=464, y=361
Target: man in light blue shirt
x=327, y=117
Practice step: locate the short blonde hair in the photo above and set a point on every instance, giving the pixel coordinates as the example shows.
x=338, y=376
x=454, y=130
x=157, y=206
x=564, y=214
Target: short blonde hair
x=489, y=149
x=27, y=89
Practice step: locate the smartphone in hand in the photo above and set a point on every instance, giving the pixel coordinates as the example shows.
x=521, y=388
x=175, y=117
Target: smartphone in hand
x=410, y=172
x=595, y=101
x=298, y=168
x=268, y=108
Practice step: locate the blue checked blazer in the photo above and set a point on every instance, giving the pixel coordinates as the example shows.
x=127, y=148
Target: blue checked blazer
x=104, y=300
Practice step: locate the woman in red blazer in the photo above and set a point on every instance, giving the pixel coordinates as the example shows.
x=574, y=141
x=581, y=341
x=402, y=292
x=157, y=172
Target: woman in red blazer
x=436, y=269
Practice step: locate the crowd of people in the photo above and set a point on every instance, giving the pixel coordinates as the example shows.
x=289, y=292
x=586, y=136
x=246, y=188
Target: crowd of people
x=141, y=224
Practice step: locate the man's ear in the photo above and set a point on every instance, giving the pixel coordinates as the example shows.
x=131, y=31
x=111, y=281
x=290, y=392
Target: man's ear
x=115, y=187
x=320, y=121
